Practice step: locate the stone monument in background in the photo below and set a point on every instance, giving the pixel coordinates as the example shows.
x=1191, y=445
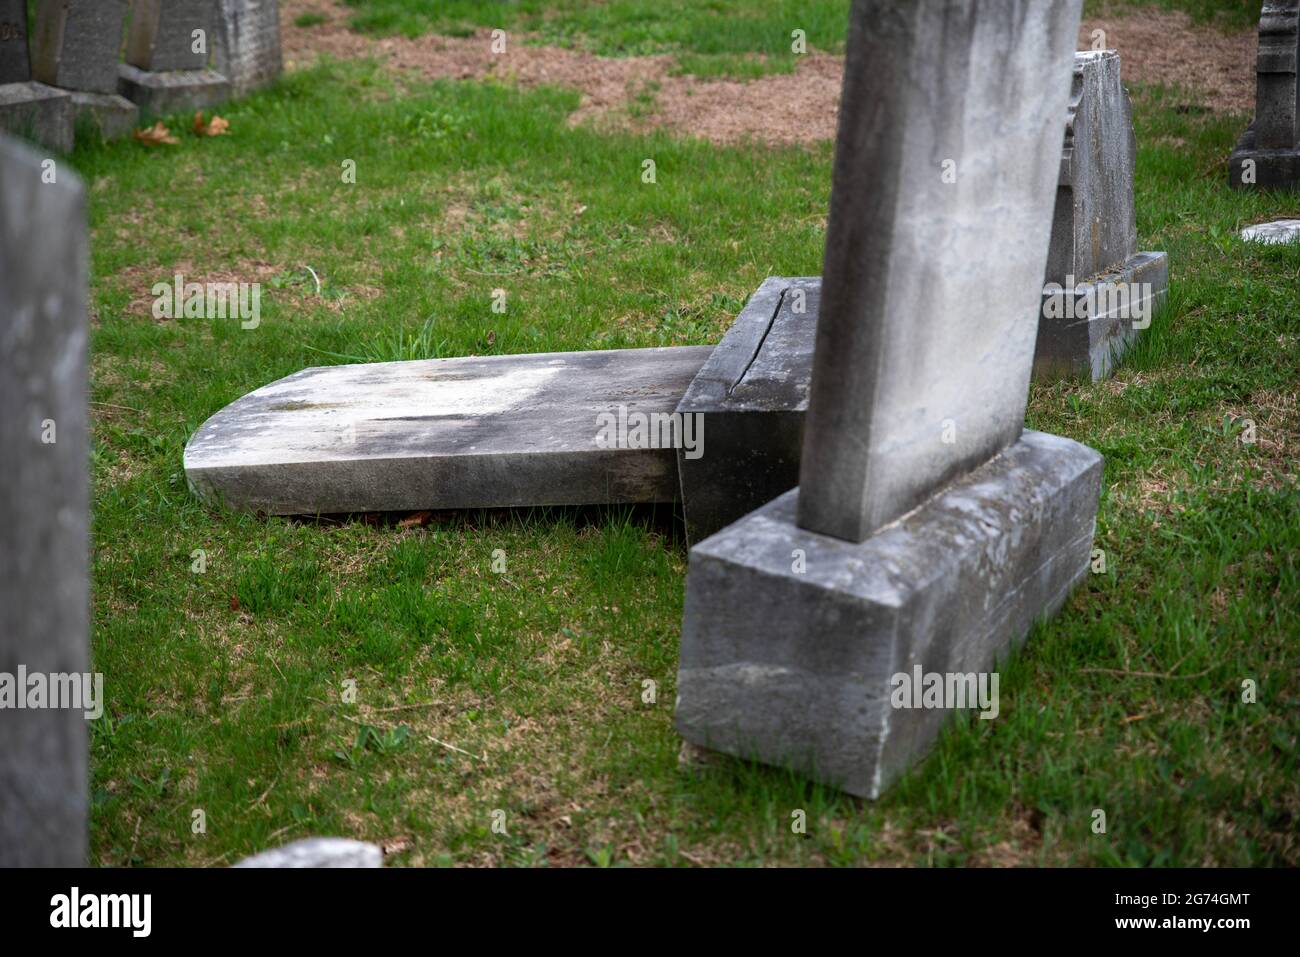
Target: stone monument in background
x=1100, y=292
x=78, y=44
x=168, y=51
x=1268, y=154
x=29, y=108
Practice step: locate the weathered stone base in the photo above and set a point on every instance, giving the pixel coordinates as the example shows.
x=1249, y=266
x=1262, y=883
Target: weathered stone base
x=38, y=113
x=1274, y=168
x=751, y=396
x=1088, y=345
x=159, y=93
x=793, y=668
x=112, y=115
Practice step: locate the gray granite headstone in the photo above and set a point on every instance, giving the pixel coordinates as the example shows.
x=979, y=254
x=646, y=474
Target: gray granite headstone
x=78, y=43
x=929, y=530
x=897, y=360
x=1095, y=224
x=1268, y=154
x=44, y=497
x=248, y=43
x=15, y=61
x=162, y=34
x=1099, y=292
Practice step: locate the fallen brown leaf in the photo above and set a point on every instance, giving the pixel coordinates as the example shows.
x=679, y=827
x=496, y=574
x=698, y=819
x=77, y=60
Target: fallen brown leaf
x=215, y=127
x=155, y=135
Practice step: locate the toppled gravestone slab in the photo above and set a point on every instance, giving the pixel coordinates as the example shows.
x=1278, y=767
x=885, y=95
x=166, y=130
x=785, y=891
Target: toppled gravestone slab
x=1278, y=232
x=319, y=852
x=560, y=428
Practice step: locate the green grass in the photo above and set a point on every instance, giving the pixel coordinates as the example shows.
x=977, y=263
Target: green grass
x=1224, y=14
x=741, y=38
x=521, y=691
x=736, y=28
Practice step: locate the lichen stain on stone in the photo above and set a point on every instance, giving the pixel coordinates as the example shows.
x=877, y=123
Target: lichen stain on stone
x=298, y=405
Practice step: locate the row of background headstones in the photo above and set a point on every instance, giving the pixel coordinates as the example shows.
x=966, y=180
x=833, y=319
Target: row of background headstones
x=67, y=64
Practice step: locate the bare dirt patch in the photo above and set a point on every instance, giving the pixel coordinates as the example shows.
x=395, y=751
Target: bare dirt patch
x=1215, y=69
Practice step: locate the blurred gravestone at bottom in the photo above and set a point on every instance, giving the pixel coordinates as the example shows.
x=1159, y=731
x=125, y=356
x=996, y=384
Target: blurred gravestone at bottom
x=44, y=497
x=318, y=852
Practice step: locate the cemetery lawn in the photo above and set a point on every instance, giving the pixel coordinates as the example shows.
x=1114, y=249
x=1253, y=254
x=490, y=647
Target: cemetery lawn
x=524, y=692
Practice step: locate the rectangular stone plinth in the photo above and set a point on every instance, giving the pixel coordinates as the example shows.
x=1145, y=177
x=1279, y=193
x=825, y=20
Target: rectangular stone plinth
x=38, y=113
x=751, y=396
x=790, y=639
x=1086, y=328
x=159, y=93
x=1250, y=167
x=110, y=116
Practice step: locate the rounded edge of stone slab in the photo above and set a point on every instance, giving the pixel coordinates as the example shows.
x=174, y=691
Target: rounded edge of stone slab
x=318, y=852
x=1276, y=232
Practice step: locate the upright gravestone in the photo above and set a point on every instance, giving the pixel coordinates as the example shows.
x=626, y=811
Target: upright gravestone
x=27, y=108
x=168, y=49
x=15, y=62
x=1268, y=153
x=929, y=530
x=248, y=43
x=78, y=43
x=44, y=489
x=170, y=34
x=1100, y=292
